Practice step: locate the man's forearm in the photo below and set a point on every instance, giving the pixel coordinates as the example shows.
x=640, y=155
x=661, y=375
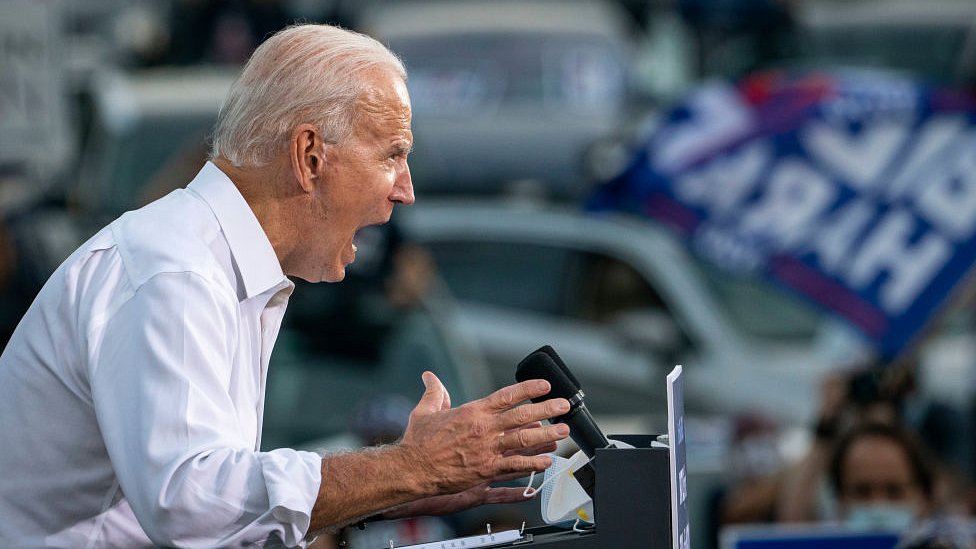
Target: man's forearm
x=358, y=484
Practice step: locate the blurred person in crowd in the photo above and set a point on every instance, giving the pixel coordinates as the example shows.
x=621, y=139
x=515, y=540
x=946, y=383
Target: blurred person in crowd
x=871, y=393
x=845, y=401
x=135, y=382
x=390, y=278
x=885, y=479
x=882, y=478
x=35, y=236
x=221, y=31
x=13, y=299
x=749, y=493
x=17, y=285
x=362, y=313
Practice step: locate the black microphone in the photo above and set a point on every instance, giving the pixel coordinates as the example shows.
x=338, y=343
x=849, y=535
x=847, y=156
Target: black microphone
x=545, y=364
x=562, y=365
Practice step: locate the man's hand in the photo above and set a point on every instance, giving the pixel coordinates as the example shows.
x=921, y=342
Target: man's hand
x=456, y=452
x=481, y=494
x=446, y=459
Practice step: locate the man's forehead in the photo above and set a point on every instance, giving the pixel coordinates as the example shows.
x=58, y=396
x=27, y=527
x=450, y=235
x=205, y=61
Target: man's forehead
x=386, y=106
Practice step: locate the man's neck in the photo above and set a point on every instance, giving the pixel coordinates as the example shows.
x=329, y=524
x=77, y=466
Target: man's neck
x=264, y=190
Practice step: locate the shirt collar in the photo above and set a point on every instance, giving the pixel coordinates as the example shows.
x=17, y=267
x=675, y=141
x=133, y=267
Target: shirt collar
x=256, y=260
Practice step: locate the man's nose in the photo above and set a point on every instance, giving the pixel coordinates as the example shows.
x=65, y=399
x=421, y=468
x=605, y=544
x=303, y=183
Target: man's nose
x=403, y=187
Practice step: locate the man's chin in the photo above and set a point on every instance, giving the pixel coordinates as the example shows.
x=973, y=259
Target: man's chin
x=328, y=275
x=334, y=276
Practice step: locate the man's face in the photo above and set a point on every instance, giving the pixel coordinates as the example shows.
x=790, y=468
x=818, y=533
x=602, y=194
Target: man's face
x=365, y=176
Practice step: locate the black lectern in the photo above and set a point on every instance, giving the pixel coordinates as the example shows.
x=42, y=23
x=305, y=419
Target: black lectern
x=631, y=501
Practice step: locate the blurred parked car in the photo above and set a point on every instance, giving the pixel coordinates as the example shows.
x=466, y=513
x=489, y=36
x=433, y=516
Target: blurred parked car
x=508, y=93
x=623, y=301
x=691, y=40
x=147, y=135
x=934, y=39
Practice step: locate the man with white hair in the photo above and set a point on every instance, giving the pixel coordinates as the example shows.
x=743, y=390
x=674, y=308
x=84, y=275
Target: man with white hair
x=132, y=391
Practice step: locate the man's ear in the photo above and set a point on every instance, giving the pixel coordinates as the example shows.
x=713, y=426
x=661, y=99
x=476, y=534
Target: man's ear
x=307, y=156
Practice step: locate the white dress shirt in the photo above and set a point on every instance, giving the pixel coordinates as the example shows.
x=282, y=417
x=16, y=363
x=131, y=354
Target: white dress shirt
x=132, y=392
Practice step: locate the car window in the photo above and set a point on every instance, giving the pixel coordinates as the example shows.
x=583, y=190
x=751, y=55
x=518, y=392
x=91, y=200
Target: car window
x=610, y=288
x=135, y=164
x=600, y=288
x=760, y=310
x=545, y=279
x=465, y=73
x=507, y=274
x=933, y=51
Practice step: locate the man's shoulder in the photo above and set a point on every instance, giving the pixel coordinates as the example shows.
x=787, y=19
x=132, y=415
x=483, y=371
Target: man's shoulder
x=175, y=234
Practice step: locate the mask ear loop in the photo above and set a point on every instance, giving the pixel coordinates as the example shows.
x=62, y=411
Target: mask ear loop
x=531, y=492
x=581, y=529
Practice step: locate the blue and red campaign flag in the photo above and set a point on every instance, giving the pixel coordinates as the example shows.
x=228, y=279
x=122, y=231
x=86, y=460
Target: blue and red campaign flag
x=855, y=189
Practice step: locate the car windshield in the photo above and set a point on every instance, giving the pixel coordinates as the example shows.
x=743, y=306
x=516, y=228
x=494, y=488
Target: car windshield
x=459, y=74
x=932, y=51
x=156, y=155
x=761, y=310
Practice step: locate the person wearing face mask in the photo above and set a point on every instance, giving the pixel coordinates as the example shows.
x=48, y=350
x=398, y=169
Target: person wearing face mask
x=882, y=478
x=132, y=391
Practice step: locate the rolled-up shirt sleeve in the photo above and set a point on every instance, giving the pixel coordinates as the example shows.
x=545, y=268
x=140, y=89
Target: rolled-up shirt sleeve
x=160, y=377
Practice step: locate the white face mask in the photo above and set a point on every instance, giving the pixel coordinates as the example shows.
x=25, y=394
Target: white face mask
x=563, y=500
x=893, y=517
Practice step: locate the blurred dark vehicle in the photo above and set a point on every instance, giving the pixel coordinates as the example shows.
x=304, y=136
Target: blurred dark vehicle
x=508, y=94
x=691, y=40
x=935, y=39
x=148, y=135
x=36, y=235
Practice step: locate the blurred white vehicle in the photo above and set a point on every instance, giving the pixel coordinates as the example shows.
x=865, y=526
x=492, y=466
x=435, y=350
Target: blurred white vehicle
x=623, y=301
x=508, y=92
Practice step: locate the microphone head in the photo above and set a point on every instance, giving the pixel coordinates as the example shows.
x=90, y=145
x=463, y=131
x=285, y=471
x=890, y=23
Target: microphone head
x=562, y=365
x=540, y=365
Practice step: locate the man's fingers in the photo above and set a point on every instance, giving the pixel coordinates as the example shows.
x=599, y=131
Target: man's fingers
x=522, y=465
x=530, y=413
x=510, y=476
x=530, y=438
x=546, y=448
x=434, y=397
x=509, y=396
x=446, y=402
x=529, y=425
x=505, y=495
x=528, y=451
